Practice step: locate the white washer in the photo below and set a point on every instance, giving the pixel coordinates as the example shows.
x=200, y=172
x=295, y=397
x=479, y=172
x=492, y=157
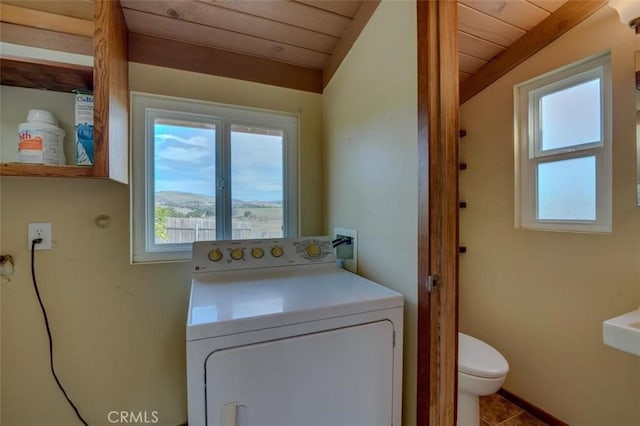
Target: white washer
x=278, y=335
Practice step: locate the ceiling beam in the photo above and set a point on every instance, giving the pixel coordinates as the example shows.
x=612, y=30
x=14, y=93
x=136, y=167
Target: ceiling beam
x=45, y=20
x=208, y=60
x=45, y=39
x=559, y=22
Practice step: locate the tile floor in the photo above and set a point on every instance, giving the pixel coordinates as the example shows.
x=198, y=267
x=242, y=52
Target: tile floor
x=495, y=410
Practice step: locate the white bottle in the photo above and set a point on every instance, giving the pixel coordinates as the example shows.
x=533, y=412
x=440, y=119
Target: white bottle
x=40, y=139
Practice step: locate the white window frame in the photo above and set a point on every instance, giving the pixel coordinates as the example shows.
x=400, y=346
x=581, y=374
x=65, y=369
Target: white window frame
x=529, y=153
x=144, y=109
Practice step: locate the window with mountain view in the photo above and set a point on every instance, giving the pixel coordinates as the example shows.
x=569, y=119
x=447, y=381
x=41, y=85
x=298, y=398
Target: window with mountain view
x=257, y=182
x=184, y=178
x=205, y=172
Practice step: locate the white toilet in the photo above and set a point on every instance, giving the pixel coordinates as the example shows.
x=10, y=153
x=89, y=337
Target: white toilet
x=481, y=371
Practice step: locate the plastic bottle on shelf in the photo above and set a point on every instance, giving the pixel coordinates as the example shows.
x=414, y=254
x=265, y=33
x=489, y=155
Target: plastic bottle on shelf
x=40, y=140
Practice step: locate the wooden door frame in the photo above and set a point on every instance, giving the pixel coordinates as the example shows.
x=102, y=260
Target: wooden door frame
x=438, y=130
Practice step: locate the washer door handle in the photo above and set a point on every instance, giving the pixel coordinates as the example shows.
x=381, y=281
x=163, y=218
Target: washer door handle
x=228, y=415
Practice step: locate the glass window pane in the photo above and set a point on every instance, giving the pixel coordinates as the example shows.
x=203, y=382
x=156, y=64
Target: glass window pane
x=184, y=181
x=567, y=189
x=571, y=116
x=257, y=182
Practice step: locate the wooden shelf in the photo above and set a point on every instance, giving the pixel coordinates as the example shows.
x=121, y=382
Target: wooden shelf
x=22, y=169
x=110, y=93
x=42, y=74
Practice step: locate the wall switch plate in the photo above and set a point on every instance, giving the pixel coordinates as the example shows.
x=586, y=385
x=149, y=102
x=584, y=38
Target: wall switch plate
x=40, y=230
x=349, y=264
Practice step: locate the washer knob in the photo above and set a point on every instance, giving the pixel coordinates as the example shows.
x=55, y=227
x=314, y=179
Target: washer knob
x=237, y=254
x=313, y=250
x=257, y=252
x=277, y=251
x=215, y=255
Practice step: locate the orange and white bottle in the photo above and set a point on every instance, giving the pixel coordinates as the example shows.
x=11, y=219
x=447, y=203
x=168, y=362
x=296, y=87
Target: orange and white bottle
x=40, y=140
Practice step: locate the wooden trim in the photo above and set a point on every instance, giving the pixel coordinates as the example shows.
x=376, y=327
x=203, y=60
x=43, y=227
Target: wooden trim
x=426, y=367
x=111, y=92
x=40, y=170
x=559, y=22
x=43, y=74
x=532, y=409
x=45, y=20
x=437, y=211
x=359, y=22
x=45, y=39
x=190, y=57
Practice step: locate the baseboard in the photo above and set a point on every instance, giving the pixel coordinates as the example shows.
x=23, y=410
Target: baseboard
x=532, y=409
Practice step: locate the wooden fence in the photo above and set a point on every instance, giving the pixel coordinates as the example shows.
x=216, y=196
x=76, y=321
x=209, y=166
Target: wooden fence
x=189, y=229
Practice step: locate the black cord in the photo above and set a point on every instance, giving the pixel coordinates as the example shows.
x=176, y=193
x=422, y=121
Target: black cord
x=340, y=241
x=46, y=323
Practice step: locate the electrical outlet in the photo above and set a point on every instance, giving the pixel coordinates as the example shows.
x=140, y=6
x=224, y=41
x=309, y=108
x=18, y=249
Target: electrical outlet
x=40, y=230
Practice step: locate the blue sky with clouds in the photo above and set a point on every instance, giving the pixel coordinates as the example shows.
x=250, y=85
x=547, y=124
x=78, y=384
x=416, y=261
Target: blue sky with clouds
x=185, y=161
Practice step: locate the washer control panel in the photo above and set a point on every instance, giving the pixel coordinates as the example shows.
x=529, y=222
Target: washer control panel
x=211, y=256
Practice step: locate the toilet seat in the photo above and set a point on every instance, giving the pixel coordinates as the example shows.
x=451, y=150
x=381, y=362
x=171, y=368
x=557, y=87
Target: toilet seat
x=476, y=358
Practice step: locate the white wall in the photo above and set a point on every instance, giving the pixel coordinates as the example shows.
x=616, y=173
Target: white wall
x=370, y=128
x=118, y=329
x=540, y=297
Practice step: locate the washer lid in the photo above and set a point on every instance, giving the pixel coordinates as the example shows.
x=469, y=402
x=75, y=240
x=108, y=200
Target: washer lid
x=241, y=301
x=477, y=358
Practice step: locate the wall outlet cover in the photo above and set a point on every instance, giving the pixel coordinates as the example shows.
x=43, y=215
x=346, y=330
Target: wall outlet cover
x=39, y=230
x=349, y=264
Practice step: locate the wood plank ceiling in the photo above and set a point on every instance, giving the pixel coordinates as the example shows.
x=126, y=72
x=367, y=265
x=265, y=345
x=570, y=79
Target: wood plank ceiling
x=307, y=32
x=487, y=27
x=298, y=32
x=312, y=34
x=306, y=37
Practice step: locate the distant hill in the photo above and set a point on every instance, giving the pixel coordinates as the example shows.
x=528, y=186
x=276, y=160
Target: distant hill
x=254, y=204
x=188, y=199
x=177, y=198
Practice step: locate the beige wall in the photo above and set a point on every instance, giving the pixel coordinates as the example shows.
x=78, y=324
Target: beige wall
x=370, y=128
x=540, y=297
x=118, y=329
